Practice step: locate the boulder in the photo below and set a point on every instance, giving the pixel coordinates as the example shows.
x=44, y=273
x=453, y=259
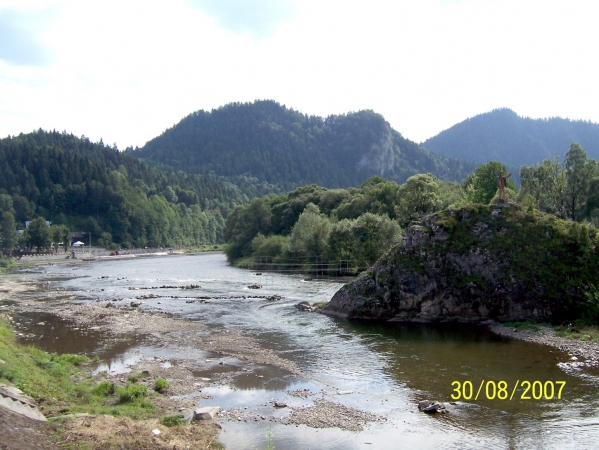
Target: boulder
x=474, y=264
x=206, y=413
x=432, y=407
x=305, y=306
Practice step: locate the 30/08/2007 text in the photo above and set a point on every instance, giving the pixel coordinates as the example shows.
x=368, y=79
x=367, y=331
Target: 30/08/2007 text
x=529, y=390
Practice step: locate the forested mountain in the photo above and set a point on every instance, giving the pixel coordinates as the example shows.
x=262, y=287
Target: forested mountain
x=502, y=135
x=91, y=187
x=282, y=148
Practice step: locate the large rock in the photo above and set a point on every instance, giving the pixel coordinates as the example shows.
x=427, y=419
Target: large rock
x=206, y=413
x=477, y=263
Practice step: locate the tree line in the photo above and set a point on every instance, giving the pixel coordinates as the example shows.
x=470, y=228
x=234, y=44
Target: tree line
x=344, y=231
x=120, y=200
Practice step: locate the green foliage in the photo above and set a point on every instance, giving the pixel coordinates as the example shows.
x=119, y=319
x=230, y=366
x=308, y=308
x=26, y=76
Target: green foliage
x=173, y=420
x=419, y=195
x=591, y=313
x=306, y=229
x=270, y=148
x=38, y=234
x=8, y=233
x=310, y=233
x=131, y=392
x=565, y=189
x=481, y=185
x=91, y=187
x=104, y=389
x=160, y=385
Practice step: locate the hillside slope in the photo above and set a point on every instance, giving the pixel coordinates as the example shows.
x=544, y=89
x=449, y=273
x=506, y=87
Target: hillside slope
x=502, y=135
x=285, y=148
x=89, y=186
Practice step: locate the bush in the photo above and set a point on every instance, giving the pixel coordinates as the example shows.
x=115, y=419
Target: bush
x=160, y=385
x=104, y=389
x=131, y=392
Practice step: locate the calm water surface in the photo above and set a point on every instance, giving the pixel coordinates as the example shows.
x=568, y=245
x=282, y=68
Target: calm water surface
x=389, y=367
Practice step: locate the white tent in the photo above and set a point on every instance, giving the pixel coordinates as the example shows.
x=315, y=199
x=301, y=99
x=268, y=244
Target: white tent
x=77, y=244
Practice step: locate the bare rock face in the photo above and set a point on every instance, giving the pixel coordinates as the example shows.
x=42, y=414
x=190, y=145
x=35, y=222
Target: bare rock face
x=380, y=158
x=477, y=263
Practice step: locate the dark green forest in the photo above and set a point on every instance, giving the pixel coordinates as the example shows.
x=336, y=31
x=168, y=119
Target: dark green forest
x=344, y=231
x=502, y=135
x=92, y=187
x=272, y=148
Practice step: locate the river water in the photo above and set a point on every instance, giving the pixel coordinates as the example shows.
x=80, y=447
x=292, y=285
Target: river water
x=389, y=367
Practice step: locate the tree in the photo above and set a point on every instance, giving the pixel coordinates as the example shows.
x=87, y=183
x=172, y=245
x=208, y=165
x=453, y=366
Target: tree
x=579, y=173
x=58, y=232
x=564, y=189
x=481, y=185
x=374, y=235
x=310, y=233
x=9, y=231
x=546, y=184
x=38, y=233
x=419, y=195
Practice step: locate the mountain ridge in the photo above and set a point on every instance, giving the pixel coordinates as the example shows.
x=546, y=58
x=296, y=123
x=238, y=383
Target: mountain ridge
x=502, y=135
x=283, y=147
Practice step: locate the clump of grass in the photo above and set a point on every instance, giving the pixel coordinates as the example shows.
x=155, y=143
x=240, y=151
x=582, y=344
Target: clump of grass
x=132, y=379
x=173, y=421
x=104, y=389
x=160, y=385
x=131, y=392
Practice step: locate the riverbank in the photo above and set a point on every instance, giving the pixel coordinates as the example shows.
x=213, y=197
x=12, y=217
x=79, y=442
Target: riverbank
x=582, y=353
x=226, y=355
x=367, y=367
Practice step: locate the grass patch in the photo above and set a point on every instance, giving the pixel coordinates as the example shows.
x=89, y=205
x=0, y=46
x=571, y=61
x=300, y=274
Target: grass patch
x=160, y=385
x=52, y=377
x=104, y=389
x=173, y=421
x=35, y=372
x=580, y=332
x=131, y=392
x=125, y=416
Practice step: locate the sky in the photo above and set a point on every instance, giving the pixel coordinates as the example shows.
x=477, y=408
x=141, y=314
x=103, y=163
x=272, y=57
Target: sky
x=125, y=71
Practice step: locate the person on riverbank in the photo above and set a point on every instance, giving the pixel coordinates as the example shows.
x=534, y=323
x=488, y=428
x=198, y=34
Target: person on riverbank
x=501, y=183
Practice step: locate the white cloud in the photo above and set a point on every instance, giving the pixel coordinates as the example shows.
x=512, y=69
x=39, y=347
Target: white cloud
x=125, y=71
x=256, y=17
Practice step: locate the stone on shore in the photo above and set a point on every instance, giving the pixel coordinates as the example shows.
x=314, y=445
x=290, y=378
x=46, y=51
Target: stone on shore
x=206, y=413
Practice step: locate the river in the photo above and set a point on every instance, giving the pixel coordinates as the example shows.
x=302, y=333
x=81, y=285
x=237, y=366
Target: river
x=388, y=367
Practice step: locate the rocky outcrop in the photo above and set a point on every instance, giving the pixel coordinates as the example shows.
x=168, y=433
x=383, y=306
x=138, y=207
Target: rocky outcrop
x=381, y=158
x=478, y=263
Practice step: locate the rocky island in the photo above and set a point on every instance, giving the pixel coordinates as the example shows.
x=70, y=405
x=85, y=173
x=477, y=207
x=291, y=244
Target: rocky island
x=477, y=263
